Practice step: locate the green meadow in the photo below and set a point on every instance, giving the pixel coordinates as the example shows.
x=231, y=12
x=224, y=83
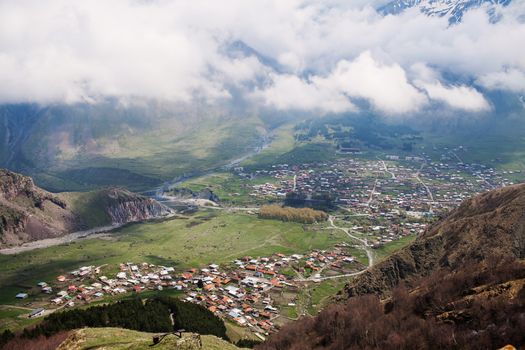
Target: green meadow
x=182, y=242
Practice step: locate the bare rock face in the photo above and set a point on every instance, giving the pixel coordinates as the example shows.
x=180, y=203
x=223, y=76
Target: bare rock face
x=490, y=224
x=124, y=206
x=28, y=213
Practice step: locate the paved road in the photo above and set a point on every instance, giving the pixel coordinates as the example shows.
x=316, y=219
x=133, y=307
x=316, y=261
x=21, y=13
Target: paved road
x=372, y=192
x=386, y=169
x=422, y=183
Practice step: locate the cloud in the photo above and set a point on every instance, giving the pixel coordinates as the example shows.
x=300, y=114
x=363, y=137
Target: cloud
x=288, y=92
x=304, y=54
x=507, y=79
x=385, y=86
x=458, y=97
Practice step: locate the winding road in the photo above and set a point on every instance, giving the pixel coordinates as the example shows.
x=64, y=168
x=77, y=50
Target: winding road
x=364, y=246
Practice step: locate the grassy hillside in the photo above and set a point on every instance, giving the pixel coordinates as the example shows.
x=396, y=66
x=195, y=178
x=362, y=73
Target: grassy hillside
x=119, y=339
x=89, y=206
x=82, y=147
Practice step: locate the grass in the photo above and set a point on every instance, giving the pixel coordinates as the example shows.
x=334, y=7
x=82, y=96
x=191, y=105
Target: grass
x=229, y=188
x=501, y=146
x=302, y=153
x=236, y=333
x=393, y=246
x=283, y=141
x=143, y=160
x=322, y=293
x=289, y=311
x=213, y=237
x=119, y=339
x=88, y=206
x=10, y=318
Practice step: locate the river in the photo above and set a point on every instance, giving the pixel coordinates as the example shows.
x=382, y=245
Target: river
x=158, y=193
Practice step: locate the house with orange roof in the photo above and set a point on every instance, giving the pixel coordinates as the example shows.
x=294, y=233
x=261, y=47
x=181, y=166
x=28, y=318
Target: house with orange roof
x=186, y=275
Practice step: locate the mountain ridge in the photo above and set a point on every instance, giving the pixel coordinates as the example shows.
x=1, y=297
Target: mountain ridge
x=29, y=213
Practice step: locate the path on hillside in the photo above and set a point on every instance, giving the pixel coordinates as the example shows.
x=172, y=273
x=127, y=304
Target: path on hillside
x=364, y=243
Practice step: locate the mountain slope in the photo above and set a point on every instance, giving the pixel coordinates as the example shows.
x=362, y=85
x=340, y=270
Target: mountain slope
x=82, y=147
x=452, y=9
x=28, y=213
x=461, y=285
x=491, y=224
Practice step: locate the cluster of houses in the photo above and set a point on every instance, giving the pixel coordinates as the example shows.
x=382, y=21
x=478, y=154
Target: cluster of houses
x=403, y=190
x=242, y=291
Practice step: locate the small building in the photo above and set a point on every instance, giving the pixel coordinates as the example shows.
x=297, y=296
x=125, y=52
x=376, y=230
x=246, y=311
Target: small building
x=22, y=296
x=36, y=313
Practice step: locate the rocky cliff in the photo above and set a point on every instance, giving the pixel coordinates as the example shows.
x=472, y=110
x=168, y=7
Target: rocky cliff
x=490, y=224
x=28, y=213
x=124, y=206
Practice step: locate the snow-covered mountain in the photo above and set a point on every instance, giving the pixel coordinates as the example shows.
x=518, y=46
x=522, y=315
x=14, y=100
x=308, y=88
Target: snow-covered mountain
x=453, y=9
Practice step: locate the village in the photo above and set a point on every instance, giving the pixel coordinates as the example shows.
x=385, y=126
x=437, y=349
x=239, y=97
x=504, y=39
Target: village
x=375, y=202
x=393, y=197
x=249, y=292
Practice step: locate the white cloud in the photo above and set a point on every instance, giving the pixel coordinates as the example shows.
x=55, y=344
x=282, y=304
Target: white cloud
x=288, y=92
x=459, y=97
x=507, y=79
x=455, y=96
x=68, y=51
x=385, y=86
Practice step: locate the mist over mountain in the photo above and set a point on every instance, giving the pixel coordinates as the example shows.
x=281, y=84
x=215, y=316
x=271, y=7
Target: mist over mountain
x=323, y=57
x=130, y=88
x=451, y=9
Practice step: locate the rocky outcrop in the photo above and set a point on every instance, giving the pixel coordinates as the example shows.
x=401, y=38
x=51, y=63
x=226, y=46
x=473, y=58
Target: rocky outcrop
x=28, y=213
x=124, y=206
x=14, y=187
x=490, y=224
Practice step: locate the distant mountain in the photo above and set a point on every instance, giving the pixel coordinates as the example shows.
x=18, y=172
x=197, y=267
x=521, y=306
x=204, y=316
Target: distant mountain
x=461, y=285
x=28, y=213
x=138, y=146
x=453, y=9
